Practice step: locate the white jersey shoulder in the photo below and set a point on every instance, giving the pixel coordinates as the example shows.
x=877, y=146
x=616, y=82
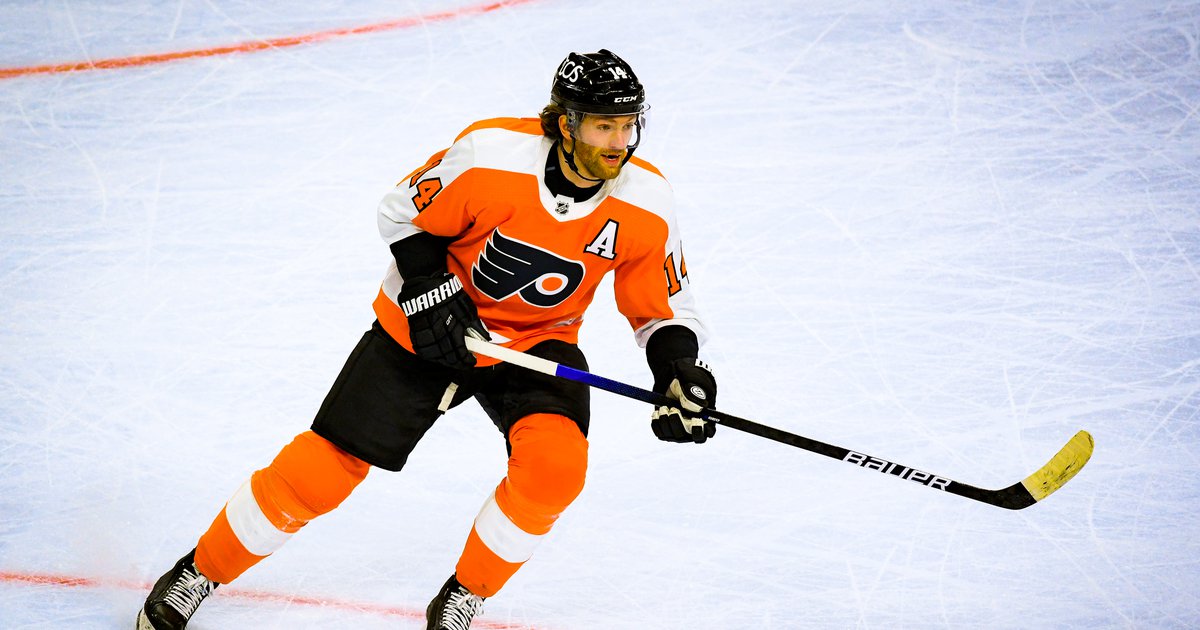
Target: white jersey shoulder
x=494, y=147
x=502, y=149
x=647, y=189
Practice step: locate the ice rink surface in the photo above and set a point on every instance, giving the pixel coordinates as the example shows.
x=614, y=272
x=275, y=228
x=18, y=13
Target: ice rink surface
x=948, y=234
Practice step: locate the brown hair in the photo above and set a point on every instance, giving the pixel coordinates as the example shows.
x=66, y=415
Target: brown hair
x=549, y=116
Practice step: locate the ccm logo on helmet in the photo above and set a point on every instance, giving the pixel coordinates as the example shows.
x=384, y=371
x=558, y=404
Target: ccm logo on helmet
x=625, y=99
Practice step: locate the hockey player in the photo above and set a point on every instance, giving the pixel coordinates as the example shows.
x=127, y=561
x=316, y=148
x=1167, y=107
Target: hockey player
x=505, y=235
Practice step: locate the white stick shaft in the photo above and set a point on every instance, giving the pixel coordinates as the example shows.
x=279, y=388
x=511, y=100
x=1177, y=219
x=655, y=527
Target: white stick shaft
x=479, y=346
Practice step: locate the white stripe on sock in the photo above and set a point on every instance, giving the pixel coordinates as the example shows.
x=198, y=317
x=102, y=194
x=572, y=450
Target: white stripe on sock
x=251, y=526
x=502, y=536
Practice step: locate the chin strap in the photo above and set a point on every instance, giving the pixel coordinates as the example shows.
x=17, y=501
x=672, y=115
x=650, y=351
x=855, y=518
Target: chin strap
x=569, y=157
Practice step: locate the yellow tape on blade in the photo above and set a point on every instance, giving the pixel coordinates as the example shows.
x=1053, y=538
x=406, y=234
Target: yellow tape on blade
x=1064, y=465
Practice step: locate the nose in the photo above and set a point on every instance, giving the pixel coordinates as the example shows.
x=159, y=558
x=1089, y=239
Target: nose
x=618, y=140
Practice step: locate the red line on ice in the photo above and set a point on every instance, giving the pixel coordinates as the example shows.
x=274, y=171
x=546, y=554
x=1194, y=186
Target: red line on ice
x=243, y=594
x=259, y=45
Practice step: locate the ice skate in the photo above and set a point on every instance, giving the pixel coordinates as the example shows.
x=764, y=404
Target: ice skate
x=175, y=597
x=453, y=608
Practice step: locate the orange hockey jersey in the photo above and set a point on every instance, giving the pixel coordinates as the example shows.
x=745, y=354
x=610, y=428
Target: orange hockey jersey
x=531, y=261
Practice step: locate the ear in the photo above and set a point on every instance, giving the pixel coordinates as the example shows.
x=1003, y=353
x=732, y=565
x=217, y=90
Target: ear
x=563, y=128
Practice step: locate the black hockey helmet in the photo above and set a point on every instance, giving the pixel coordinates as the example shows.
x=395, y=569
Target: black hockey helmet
x=597, y=83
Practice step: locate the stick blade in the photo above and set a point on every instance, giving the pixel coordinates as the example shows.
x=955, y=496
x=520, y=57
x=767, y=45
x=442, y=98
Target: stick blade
x=1065, y=464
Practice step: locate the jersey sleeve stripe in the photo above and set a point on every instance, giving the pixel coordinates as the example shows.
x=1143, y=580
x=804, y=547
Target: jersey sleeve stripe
x=646, y=165
x=531, y=126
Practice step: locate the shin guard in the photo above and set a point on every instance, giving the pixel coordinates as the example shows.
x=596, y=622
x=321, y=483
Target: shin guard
x=308, y=478
x=546, y=472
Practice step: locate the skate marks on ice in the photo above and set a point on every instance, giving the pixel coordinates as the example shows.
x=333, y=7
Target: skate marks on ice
x=945, y=233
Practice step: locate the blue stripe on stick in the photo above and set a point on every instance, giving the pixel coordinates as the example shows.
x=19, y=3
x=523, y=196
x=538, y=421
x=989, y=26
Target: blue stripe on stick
x=607, y=384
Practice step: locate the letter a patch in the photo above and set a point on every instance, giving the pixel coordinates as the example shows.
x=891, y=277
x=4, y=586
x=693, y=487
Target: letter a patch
x=605, y=243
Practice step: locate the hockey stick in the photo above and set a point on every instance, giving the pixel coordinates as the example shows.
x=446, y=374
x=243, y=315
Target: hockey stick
x=1058, y=471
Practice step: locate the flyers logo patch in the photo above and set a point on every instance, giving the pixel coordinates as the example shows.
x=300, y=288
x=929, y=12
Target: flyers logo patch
x=507, y=266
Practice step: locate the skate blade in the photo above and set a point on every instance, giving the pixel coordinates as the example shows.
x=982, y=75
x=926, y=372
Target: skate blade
x=143, y=622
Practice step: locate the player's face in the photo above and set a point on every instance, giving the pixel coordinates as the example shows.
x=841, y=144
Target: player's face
x=602, y=144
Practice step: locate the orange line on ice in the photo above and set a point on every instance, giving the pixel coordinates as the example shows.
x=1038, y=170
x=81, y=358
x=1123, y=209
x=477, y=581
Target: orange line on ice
x=258, y=45
x=255, y=596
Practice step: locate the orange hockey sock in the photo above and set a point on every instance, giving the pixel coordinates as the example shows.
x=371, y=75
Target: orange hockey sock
x=309, y=477
x=545, y=473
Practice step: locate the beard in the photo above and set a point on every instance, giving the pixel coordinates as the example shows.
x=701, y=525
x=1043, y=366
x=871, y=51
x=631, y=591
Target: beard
x=591, y=160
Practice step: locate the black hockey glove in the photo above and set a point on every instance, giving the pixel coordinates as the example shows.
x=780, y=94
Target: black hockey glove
x=695, y=388
x=439, y=316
